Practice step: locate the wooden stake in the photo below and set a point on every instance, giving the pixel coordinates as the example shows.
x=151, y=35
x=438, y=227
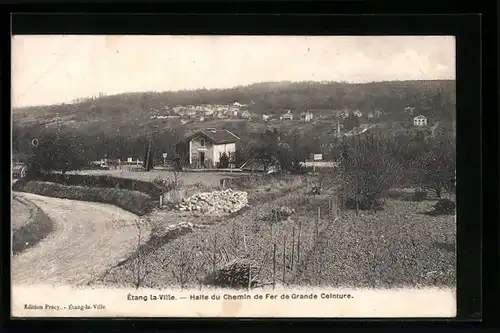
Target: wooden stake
x=214, y=257
x=274, y=266
x=293, y=249
x=249, y=276
x=284, y=259
x=298, y=243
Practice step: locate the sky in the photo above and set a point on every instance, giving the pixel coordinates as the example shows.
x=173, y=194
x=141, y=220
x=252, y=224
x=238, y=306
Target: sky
x=61, y=68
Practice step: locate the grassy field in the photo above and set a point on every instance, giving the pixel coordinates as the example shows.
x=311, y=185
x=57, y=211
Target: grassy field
x=400, y=246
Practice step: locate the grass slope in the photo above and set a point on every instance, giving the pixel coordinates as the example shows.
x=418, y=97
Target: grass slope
x=30, y=224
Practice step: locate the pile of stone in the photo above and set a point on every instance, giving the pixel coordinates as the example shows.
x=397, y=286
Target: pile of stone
x=216, y=202
x=238, y=273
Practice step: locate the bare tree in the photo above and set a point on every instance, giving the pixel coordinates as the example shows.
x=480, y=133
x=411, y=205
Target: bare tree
x=435, y=170
x=140, y=267
x=367, y=169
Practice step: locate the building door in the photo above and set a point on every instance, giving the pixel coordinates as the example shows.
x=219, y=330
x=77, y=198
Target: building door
x=202, y=159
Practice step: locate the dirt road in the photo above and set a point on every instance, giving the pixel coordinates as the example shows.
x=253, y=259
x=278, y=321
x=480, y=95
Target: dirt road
x=88, y=239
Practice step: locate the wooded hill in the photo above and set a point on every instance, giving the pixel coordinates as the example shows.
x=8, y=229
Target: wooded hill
x=125, y=117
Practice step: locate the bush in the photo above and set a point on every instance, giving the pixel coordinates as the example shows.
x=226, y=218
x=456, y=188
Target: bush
x=419, y=196
x=133, y=201
x=102, y=181
x=364, y=204
x=224, y=161
x=443, y=207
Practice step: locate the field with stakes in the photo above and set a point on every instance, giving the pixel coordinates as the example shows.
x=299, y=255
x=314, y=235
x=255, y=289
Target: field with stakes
x=291, y=236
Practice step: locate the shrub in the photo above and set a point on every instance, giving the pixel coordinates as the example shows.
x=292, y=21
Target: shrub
x=443, y=207
x=280, y=214
x=224, y=161
x=133, y=201
x=364, y=204
x=419, y=196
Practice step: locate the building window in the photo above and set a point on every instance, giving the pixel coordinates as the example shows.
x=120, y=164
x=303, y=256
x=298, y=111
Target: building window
x=202, y=142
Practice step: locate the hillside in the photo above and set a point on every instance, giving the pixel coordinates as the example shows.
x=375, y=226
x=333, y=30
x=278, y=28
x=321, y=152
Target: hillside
x=126, y=118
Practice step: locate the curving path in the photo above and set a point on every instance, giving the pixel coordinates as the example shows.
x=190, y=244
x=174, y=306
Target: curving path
x=89, y=238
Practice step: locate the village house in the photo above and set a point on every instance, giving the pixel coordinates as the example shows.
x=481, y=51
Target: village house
x=246, y=115
x=357, y=113
x=207, y=146
x=306, y=116
x=287, y=116
x=344, y=114
x=420, y=121
x=410, y=110
x=374, y=114
x=266, y=117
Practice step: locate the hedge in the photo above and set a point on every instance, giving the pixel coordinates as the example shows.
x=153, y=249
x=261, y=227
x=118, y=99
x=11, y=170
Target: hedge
x=135, y=202
x=102, y=181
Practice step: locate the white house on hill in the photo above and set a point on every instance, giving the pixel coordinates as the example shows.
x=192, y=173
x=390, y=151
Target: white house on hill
x=420, y=121
x=206, y=147
x=287, y=116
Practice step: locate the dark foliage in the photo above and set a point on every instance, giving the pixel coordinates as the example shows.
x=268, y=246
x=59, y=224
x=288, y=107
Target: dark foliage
x=443, y=207
x=364, y=203
x=224, y=161
x=149, y=158
x=56, y=153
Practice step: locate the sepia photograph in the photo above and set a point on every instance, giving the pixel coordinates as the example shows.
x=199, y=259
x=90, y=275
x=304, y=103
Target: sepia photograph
x=233, y=176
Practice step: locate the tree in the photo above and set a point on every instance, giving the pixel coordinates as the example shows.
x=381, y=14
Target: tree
x=148, y=158
x=367, y=169
x=435, y=171
x=265, y=148
x=351, y=122
x=57, y=152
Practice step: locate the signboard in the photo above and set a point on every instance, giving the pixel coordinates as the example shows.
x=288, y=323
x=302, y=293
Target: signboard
x=317, y=157
x=164, y=155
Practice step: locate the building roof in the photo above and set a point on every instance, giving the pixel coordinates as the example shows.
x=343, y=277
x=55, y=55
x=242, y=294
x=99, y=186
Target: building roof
x=217, y=137
x=420, y=117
